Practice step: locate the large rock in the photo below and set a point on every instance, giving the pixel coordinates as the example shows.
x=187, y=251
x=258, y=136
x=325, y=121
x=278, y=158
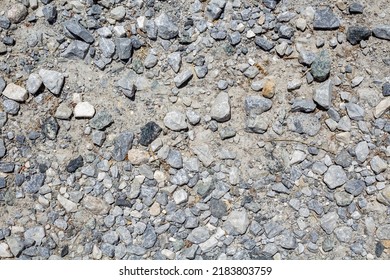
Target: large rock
x=220, y=110
x=355, y=34
x=15, y=92
x=167, y=29
x=382, y=32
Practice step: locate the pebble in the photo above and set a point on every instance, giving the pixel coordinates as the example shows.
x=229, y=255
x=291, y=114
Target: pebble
x=325, y=19
x=101, y=120
x=118, y=13
x=355, y=112
x=382, y=107
x=381, y=31
x=167, y=29
x=4, y=251
x=328, y=222
x=303, y=105
x=15, y=92
x=264, y=44
x=76, y=50
x=303, y=124
x=355, y=187
x=320, y=68
x=75, y=164
x=50, y=128
x=53, y=80
x=343, y=234
x=175, y=121
x=335, y=177
x=77, y=31
x=180, y=196
x=50, y=13
x=122, y=144
x=11, y=107
x=256, y=105
x=68, y=205
x=183, y=78
x=215, y=8
x=35, y=183
x=220, y=110
x=238, y=220
x=123, y=48
x=356, y=8
x=356, y=34
x=323, y=95
x=174, y=61
x=378, y=165
x=149, y=133
x=17, y=13
x=84, y=110
x=137, y=157
x=34, y=83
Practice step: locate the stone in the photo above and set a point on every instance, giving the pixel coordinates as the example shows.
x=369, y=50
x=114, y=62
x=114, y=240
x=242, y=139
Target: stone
x=149, y=237
x=343, y=234
x=15, y=92
x=174, y=61
x=234, y=38
x=198, y=235
x=149, y=133
x=355, y=187
x=84, y=110
x=35, y=183
x=50, y=128
x=238, y=220
x=227, y=132
x=101, y=120
x=218, y=208
x=204, y=154
x=122, y=144
x=124, y=48
x=269, y=88
x=4, y=251
x=7, y=167
x=382, y=107
x=286, y=32
x=362, y=151
x=343, y=198
x=137, y=157
x=264, y=44
x=320, y=67
x=297, y=157
x=69, y=206
x=50, y=13
x=220, y=110
x=251, y=72
x=328, y=222
x=76, y=50
x=323, y=95
x=33, y=83
x=175, y=121
x=98, y=137
x=183, y=78
x=335, y=177
x=306, y=57
x=180, y=196
x=356, y=34
x=385, y=89
x=378, y=165
x=11, y=107
x=301, y=24
x=271, y=4
x=150, y=61
x=303, y=124
x=325, y=19
x=118, y=13
x=127, y=86
x=75, y=164
x=5, y=23
x=53, y=80
x=17, y=13
x=256, y=105
x=288, y=241
x=355, y=112
x=303, y=105
x=95, y=205
x=381, y=31
x=36, y=233
x=215, y=8
x=383, y=232
x=180, y=178
x=174, y=159
x=167, y=29
x=356, y=8
x=78, y=31
x=273, y=229
x=201, y=71
x=107, y=47
x=3, y=149
x=15, y=244
x=3, y=84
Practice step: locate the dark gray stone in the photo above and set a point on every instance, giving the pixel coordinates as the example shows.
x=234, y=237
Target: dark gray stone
x=149, y=237
x=75, y=164
x=50, y=13
x=320, y=68
x=78, y=31
x=325, y=19
x=264, y=44
x=385, y=89
x=101, y=120
x=174, y=159
x=76, y=49
x=50, y=128
x=218, y=208
x=35, y=183
x=355, y=34
x=149, y=133
x=271, y=4
x=382, y=32
x=11, y=107
x=122, y=145
x=4, y=22
x=356, y=8
x=124, y=48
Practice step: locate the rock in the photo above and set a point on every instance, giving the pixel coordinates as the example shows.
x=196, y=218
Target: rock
x=75, y=164
x=288, y=241
x=356, y=34
x=180, y=196
x=84, y=110
x=78, y=31
x=15, y=92
x=215, y=8
x=5, y=23
x=122, y=144
x=382, y=107
x=383, y=232
x=355, y=187
x=343, y=199
x=356, y=8
x=204, y=154
x=306, y=57
x=335, y=177
x=234, y=38
x=198, y=235
x=174, y=159
x=4, y=251
x=343, y=234
x=301, y=24
x=273, y=229
x=127, y=86
x=69, y=206
x=175, y=121
x=107, y=47
x=264, y=44
x=3, y=84
x=35, y=183
x=150, y=61
x=381, y=32
x=11, y=107
x=385, y=89
x=362, y=151
x=50, y=13
x=149, y=133
x=303, y=124
x=149, y=237
x=33, y=83
x=183, y=78
x=76, y=50
x=118, y=13
x=269, y=88
x=36, y=233
x=7, y=167
x=220, y=110
x=201, y=71
x=303, y=105
x=355, y=112
x=218, y=208
x=101, y=120
x=227, y=132
x=50, y=128
x=98, y=137
x=167, y=29
x=95, y=205
x=53, y=80
x=328, y=222
x=378, y=165
x=3, y=149
x=123, y=48
x=256, y=105
x=286, y=32
x=15, y=244
x=238, y=220
x=271, y=4
x=297, y=157
x=174, y=60
x=17, y=13
x=325, y=19
x=320, y=67
x=323, y=95
x=137, y=157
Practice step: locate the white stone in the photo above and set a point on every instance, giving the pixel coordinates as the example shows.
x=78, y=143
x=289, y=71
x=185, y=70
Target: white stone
x=297, y=157
x=382, y=107
x=4, y=251
x=84, y=110
x=180, y=196
x=220, y=110
x=15, y=92
x=68, y=205
x=175, y=121
x=301, y=24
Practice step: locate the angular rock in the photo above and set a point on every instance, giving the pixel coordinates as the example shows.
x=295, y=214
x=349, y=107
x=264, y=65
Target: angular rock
x=84, y=110
x=264, y=44
x=382, y=107
x=50, y=13
x=355, y=112
x=33, y=83
x=271, y=4
x=180, y=196
x=11, y=107
x=204, y=154
x=303, y=105
x=356, y=34
x=220, y=110
x=35, y=183
x=335, y=177
x=149, y=237
x=175, y=121
x=15, y=244
x=101, y=120
x=96, y=205
x=378, y=165
x=15, y=92
x=75, y=164
x=215, y=8
x=5, y=23
x=3, y=149
x=183, y=78
x=150, y=61
x=383, y=232
x=325, y=19
x=107, y=47
x=385, y=89
x=68, y=205
x=198, y=235
x=50, y=128
x=256, y=105
x=53, y=80
x=362, y=151
x=320, y=68
x=323, y=95
x=174, y=60
x=238, y=220
x=118, y=13
x=36, y=233
x=127, y=86
x=149, y=133
x=355, y=187
x=328, y=222
x=17, y=13
x=218, y=208
x=122, y=144
x=303, y=124
x=174, y=159
x=356, y=8
x=78, y=31
x=124, y=48
x=76, y=50
x=343, y=234
x=382, y=32
x=167, y=29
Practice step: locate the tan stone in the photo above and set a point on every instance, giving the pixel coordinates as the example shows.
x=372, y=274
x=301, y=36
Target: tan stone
x=137, y=157
x=269, y=88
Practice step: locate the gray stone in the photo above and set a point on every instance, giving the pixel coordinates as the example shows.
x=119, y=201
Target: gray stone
x=343, y=198
x=201, y=71
x=198, y=235
x=76, y=50
x=107, y=47
x=50, y=128
x=180, y=196
x=78, y=31
x=3, y=84
x=174, y=159
x=127, y=86
x=108, y=250
x=33, y=83
x=218, y=208
x=323, y=95
x=355, y=187
x=35, y=183
x=215, y=8
x=264, y=44
x=175, y=121
x=288, y=241
x=227, y=132
x=238, y=220
x=98, y=137
x=381, y=32
x=303, y=124
x=11, y=107
x=50, y=13
x=378, y=165
x=344, y=124
x=220, y=110
x=36, y=233
x=17, y=13
x=110, y=237
x=383, y=232
x=7, y=167
x=251, y=72
x=335, y=177
x=320, y=67
x=149, y=133
x=362, y=151
x=343, y=234
x=3, y=149
x=149, y=237
x=118, y=13
x=325, y=19
x=271, y=4
x=204, y=154
x=150, y=61
x=84, y=110
x=122, y=144
x=3, y=119
x=273, y=229
x=193, y=117
x=256, y=105
x=355, y=112
x=306, y=57
x=101, y=120
x=385, y=89
x=15, y=92
x=95, y=205
x=180, y=178
x=124, y=48
x=53, y=80
x=328, y=222
x=174, y=60
x=286, y=32
x=4, y=23
x=356, y=8
x=303, y=105
x=167, y=29
x=63, y=112
x=234, y=38
x=15, y=244
x=183, y=78
x=356, y=34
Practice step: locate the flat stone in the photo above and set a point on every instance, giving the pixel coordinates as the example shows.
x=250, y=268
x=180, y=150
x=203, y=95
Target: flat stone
x=35, y=183
x=68, y=205
x=107, y=47
x=264, y=44
x=378, y=165
x=218, y=208
x=343, y=234
x=273, y=229
x=256, y=105
x=303, y=105
x=122, y=144
x=356, y=34
x=167, y=29
x=36, y=233
x=335, y=177
x=17, y=13
x=238, y=220
x=76, y=50
x=198, y=235
x=137, y=156
x=325, y=19
x=320, y=68
x=356, y=8
x=101, y=120
x=220, y=110
x=183, y=78
x=84, y=110
x=382, y=32
x=33, y=83
x=323, y=95
x=118, y=13
x=175, y=121
x=15, y=92
x=227, y=132
x=98, y=137
x=95, y=205
x=355, y=187
x=78, y=31
x=382, y=107
x=328, y=222
x=53, y=80
x=15, y=244
x=355, y=112
x=7, y=167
